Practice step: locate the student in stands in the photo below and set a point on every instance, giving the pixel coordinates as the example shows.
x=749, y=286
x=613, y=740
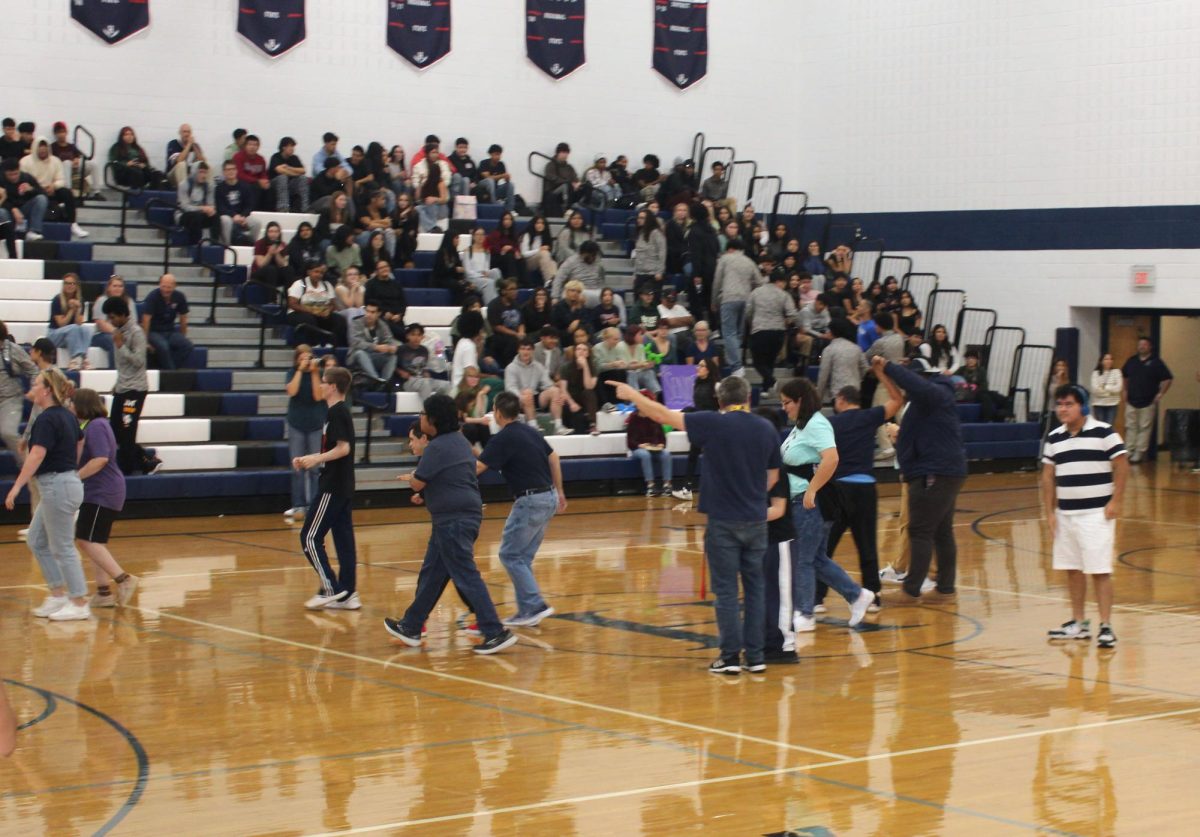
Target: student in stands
x=304, y=246
x=578, y=376
x=51, y=176
x=506, y=321
x=196, y=197
x=183, y=155
x=11, y=147
x=132, y=384
x=537, y=311
x=471, y=399
x=647, y=443
x=329, y=151
x=413, y=364
x=373, y=346
x=239, y=139
x=531, y=383
x=373, y=218
x=333, y=217
x=941, y=353
x=841, y=260
x=536, y=249
x=24, y=199
x=329, y=180
x=908, y=316
x=351, y=289
x=843, y=364
x=770, y=312
x=495, y=179
x=716, y=188
x=449, y=272
x=813, y=333
x=67, y=317
x=376, y=165
x=477, y=261
x=406, y=222
x=131, y=166
x=289, y=180
x=165, y=321
x=103, y=500
x=375, y=250
x=312, y=308
x=305, y=418
x=252, y=171
x=383, y=290
x=606, y=314
x=344, y=252
x=649, y=253
x=397, y=171
x=570, y=312
x=505, y=244
x=678, y=318
x=233, y=201
x=662, y=348
x=272, y=259
x=560, y=182
x=469, y=346
x=639, y=369
x=15, y=366
x=571, y=237
x=585, y=266
x=702, y=348
x=461, y=160
x=431, y=186
x=598, y=177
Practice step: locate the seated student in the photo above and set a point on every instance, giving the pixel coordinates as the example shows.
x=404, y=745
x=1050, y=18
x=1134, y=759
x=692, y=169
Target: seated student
x=335, y=215
x=233, y=201
x=351, y=289
x=252, y=171
x=812, y=333
x=940, y=352
x=373, y=347
x=536, y=248
x=578, y=376
x=505, y=245
x=587, y=267
x=51, y=176
x=716, y=188
x=647, y=442
x=11, y=147
x=312, y=308
x=24, y=199
x=644, y=311
x=604, y=190
x=560, y=182
x=406, y=222
x=569, y=313
x=289, y=181
x=383, y=289
x=449, y=272
x=606, y=314
x=413, y=366
x=304, y=246
x=165, y=323
x=702, y=347
x=537, y=311
x=131, y=166
x=548, y=352
x=67, y=316
x=974, y=376
x=329, y=151
x=507, y=322
x=373, y=218
x=477, y=264
x=272, y=262
x=647, y=179
x=570, y=238
x=115, y=288
x=471, y=399
x=375, y=250
x=431, y=186
x=183, y=155
x=330, y=180
x=678, y=318
x=77, y=168
x=639, y=369
x=841, y=260
x=461, y=160
x=196, y=197
x=495, y=180
x=530, y=382
x=239, y=140
x=344, y=252
x=661, y=346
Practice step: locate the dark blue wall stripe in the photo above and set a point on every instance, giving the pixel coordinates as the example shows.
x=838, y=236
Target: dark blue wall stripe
x=1096, y=228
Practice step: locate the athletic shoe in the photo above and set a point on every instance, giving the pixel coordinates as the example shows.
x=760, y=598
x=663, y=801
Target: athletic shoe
x=396, y=629
x=319, y=601
x=71, y=612
x=875, y=605
x=126, y=589
x=52, y=604
x=499, y=642
x=781, y=657
x=75, y=364
x=467, y=624
x=1072, y=630
x=22, y=534
x=531, y=621
x=78, y=231
x=927, y=585
x=103, y=600
x=1105, y=639
x=898, y=598
x=859, y=608
x=723, y=665
x=754, y=667
x=651, y=490
x=33, y=236
x=819, y=607
x=153, y=465
x=562, y=430
x=293, y=513
x=684, y=493
x=351, y=602
x=888, y=575
x=803, y=624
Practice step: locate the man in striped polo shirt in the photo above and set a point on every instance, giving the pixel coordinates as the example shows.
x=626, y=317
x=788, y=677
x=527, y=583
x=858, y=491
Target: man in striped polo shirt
x=1083, y=483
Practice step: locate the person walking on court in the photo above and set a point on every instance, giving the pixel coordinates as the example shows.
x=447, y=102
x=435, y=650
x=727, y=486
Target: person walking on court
x=1084, y=470
x=779, y=638
x=446, y=478
x=533, y=473
x=739, y=466
x=929, y=451
x=332, y=508
x=1146, y=381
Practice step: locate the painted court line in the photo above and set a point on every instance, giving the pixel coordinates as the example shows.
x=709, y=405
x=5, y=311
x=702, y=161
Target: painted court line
x=470, y=681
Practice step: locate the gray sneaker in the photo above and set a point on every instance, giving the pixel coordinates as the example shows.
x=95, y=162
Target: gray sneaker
x=1072, y=630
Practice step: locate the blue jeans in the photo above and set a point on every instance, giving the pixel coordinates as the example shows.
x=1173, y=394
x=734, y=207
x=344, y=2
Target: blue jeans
x=431, y=214
x=523, y=533
x=34, y=211
x=500, y=192
x=105, y=342
x=733, y=319
x=645, y=458
x=377, y=364
x=171, y=348
x=304, y=483
x=810, y=560
x=643, y=379
x=451, y=555
x=736, y=549
x=71, y=337
x=1105, y=414
x=52, y=532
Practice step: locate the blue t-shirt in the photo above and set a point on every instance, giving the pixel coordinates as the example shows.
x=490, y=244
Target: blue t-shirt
x=522, y=455
x=854, y=432
x=162, y=311
x=868, y=333
x=448, y=469
x=739, y=449
x=803, y=447
x=58, y=432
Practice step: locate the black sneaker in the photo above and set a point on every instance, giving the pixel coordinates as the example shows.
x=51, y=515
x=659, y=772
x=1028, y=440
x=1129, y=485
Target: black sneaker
x=396, y=629
x=755, y=667
x=496, y=643
x=781, y=657
x=1106, y=638
x=651, y=490
x=721, y=665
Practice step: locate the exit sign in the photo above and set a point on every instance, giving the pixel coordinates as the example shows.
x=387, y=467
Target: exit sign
x=1142, y=277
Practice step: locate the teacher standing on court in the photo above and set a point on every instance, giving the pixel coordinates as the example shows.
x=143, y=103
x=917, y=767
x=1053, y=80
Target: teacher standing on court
x=739, y=466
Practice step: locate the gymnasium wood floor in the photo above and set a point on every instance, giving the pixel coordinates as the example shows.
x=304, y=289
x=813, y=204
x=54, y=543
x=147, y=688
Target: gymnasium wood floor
x=217, y=705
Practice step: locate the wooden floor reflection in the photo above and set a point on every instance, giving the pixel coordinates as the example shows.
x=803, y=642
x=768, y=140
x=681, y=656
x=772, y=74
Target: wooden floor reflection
x=217, y=705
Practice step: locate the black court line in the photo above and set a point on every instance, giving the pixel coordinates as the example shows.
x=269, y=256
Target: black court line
x=1123, y=558
x=50, y=706
x=979, y=520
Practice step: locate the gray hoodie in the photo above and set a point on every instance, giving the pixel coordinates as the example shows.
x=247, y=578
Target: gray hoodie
x=131, y=359
x=14, y=365
x=737, y=275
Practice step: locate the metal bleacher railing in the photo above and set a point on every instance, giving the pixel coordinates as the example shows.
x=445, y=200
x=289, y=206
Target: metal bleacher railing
x=944, y=305
x=110, y=181
x=87, y=157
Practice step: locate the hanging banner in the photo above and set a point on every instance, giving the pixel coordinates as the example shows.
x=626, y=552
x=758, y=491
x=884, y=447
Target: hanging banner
x=419, y=30
x=274, y=26
x=112, y=21
x=554, y=35
x=681, y=41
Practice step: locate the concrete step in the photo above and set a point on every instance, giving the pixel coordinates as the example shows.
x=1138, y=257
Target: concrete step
x=259, y=380
x=107, y=234
x=272, y=404
x=225, y=334
x=123, y=254
x=245, y=357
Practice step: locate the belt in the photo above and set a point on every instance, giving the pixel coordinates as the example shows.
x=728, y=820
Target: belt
x=529, y=492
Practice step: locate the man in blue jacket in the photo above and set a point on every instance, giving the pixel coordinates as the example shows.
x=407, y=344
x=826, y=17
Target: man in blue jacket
x=932, y=461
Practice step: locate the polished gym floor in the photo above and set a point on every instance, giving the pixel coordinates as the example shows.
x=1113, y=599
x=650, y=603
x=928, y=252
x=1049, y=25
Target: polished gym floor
x=215, y=704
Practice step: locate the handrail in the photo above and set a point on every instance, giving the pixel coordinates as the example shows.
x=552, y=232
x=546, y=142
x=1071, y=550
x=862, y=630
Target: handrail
x=703, y=165
x=529, y=163
x=697, y=146
x=166, y=229
x=263, y=312
x=778, y=197
x=91, y=153
x=217, y=271
x=110, y=181
x=962, y=316
x=880, y=274
x=731, y=172
x=778, y=180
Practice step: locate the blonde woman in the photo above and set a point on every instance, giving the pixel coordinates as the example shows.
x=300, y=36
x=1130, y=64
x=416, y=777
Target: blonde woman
x=67, y=312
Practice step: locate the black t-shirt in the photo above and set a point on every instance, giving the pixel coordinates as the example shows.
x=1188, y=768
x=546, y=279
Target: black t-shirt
x=739, y=448
x=1142, y=379
x=337, y=477
x=58, y=432
x=11, y=149
x=388, y=294
x=277, y=159
x=413, y=360
x=782, y=529
x=163, y=312
x=644, y=177
x=323, y=186
x=501, y=313
x=522, y=455
x=854, y=433
x=488, y=167
x=465, y=166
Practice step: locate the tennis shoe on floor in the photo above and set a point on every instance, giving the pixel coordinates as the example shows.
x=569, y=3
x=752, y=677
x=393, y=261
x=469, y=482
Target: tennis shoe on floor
x=1105, y=639
x=723, y=665
x=1072, y=630
x=396, y=628
x=499, y=642
x=351, y=602
x=321, y=600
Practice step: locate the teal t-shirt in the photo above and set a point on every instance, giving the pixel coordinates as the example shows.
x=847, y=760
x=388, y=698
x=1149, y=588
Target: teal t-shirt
x=803, y=447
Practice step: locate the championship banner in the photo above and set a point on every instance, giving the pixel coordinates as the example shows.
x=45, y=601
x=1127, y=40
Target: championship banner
x=419, y=30
x=274, y=26
x=681, y=41
x=112, y=21
x=554, y=35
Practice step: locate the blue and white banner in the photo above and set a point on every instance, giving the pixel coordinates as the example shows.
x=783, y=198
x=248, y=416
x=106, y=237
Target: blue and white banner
x=681, y=41
x=274, y=26
x=554, y=35
x=419, y=30
x=112, y=21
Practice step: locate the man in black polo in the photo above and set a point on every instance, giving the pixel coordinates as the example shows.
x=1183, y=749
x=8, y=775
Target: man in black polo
x=531, y=469
x=1147, y=380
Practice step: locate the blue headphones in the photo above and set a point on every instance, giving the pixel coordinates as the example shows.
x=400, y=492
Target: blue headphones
x=1082, y=395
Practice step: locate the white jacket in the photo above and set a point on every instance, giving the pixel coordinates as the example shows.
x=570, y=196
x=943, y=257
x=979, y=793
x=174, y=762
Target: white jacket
x=49, y=172
x=1106, y=388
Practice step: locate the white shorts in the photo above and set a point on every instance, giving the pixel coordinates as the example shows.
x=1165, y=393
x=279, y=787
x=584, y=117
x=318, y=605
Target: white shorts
x=1084, y=542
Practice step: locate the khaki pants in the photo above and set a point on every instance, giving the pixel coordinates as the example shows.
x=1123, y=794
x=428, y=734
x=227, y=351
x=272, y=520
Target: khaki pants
x=882, y=441
x=1139, y=425
x=904, y=554
x=545, y=264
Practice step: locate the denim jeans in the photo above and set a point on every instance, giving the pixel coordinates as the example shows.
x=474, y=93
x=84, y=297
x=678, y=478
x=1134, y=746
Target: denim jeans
x=304, y=483
x=105, y=342
x=34, y=211
x=810, y=560
x=523, y=533
x=500, y=192
x=52, y=532
x=287, y=187
x=1108, y=415
x=11, y=411
x=72, y=337
x=432, y=214
x=643, y=379
x=377, y=364
x=451, y=555
x=171, y=349
x=733, y=319
x=645, y=459
x=736, y=549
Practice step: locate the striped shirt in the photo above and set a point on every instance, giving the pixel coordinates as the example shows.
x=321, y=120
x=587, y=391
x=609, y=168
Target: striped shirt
x=1083, y=464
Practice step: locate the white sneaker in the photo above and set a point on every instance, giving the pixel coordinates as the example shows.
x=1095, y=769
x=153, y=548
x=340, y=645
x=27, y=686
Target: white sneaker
x=562, y=430
x=888, y=575
x=127, y=588
x=859, y=609
x=321, y=601
x=22, y=534
x=32, y=236
x=802, y=624
x=927, y=585
x=740, y=372
x=71, y=613
x=78, y=231
x=52, y=604
x=820, y=608
x=684, y=493
x=350, y=603
x=293, y=514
